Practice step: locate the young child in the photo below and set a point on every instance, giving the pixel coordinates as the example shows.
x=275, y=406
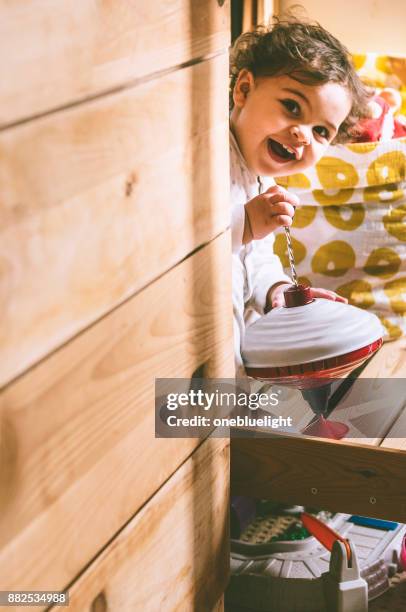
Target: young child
x=293, y=91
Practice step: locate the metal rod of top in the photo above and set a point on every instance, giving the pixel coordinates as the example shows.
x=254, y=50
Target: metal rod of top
x=290, y=255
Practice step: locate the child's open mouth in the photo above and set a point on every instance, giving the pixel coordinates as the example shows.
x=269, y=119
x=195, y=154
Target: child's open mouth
x=279, y=152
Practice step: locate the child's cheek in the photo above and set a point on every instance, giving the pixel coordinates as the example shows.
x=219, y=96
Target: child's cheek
x=304, y=164
x=312, y=156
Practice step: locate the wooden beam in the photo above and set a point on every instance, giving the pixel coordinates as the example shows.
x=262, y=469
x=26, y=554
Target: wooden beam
x=335, y=476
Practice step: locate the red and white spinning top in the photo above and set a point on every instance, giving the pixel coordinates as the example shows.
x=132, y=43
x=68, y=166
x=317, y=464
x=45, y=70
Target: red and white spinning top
x=309, y=341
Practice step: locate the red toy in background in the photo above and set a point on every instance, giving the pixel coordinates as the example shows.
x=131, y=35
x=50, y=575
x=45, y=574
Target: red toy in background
x=382, y=124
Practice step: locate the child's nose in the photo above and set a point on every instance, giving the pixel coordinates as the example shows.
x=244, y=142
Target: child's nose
x=302, y=134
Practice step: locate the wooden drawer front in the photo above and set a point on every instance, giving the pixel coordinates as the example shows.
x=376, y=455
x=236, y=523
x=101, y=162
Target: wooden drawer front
x=337, y=476
x=56, y=52
x=99, y=200
x=78, y=455
x=174, y=554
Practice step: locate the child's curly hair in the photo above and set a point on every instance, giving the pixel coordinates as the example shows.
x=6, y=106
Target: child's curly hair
x=306, y=52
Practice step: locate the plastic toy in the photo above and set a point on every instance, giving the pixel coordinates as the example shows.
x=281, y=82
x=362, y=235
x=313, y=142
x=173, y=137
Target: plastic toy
x=382, y=123
x=298, y=573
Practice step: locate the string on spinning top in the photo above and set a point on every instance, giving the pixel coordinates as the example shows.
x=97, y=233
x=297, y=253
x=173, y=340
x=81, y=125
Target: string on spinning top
x=288, y=241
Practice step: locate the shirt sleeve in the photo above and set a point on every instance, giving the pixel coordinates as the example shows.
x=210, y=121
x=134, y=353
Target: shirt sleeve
x=237, y=226
x=264, y=269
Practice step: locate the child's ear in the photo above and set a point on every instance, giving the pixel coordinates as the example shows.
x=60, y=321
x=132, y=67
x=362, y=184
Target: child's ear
x=243, y=85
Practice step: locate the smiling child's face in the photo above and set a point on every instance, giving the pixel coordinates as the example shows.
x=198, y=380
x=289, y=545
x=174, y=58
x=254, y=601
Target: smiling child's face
x=283, y=126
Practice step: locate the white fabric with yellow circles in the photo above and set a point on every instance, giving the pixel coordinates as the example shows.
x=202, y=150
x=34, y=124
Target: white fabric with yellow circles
x=349, y=234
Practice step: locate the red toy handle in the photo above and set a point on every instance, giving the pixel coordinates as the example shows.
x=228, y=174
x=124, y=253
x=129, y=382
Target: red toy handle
x=323, y=533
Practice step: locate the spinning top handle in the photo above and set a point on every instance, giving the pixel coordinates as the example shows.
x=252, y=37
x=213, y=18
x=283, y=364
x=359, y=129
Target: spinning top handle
x=324, y=534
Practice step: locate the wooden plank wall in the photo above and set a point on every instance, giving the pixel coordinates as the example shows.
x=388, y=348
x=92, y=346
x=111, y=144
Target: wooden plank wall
x=79, y=428
x=114, y=267
x=139, y=571
x=59, y=54
x=91, y=190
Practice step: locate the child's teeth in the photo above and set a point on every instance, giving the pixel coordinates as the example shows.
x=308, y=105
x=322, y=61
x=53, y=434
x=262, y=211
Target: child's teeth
x=289, y=150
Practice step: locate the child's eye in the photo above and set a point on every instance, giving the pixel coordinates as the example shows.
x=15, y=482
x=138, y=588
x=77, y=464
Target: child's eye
x=322, y=131
x=292, y=106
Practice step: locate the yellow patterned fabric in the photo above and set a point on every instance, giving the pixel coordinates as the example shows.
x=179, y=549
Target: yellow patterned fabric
x=349, y=234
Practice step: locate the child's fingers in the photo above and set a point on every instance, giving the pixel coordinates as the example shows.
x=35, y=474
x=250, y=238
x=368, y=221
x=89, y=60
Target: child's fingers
x=328, y=295
x=281, y=220
x=276, y=189
x=340, y=298
x=281, y=212
x=278, y=300
x=283, y=197
x=285, y=208
x=278, y=194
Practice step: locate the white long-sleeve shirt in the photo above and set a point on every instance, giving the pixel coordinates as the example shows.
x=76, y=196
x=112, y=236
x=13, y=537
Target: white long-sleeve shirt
x=256, y=268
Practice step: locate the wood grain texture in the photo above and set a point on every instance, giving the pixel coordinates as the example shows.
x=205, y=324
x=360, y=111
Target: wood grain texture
x=388, y=364
x=389, y=361
x=336, y=476
x=374, y=403
x=77, y=446
x=99, y=200
x=219, y=606
x=370, y=408
x=56, y=53
x=174, y=554
x=396, y=436
x=265, y=10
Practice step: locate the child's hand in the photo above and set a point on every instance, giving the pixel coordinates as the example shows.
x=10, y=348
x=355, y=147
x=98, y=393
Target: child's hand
x=275, y=295
x=266, y=212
